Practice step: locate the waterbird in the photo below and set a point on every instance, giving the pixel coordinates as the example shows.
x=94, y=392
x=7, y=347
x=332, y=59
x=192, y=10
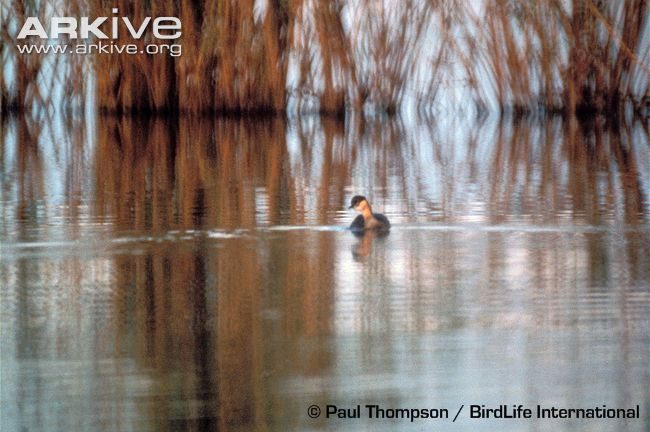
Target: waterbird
x=367, y=220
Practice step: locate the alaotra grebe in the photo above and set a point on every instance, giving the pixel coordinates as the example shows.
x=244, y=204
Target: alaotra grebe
x=367, y=220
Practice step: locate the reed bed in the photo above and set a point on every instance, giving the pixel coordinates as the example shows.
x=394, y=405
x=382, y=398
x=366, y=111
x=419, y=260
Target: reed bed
x=336, y=57
x=581, y=57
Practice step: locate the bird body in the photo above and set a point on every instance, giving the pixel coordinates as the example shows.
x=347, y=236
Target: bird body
x=367, y=220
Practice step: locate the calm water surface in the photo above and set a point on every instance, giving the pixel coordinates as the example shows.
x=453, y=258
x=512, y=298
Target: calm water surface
x=197, y=274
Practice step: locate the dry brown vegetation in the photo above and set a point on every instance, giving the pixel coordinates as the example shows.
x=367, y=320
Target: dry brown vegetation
x=580, y=56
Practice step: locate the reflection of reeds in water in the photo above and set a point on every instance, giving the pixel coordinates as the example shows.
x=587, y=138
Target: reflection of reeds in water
x=232, y=174
x=215, y=325
x=241, y=57
x=205, y=174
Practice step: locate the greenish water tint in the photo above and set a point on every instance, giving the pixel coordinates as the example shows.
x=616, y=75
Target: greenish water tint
x=195, y=275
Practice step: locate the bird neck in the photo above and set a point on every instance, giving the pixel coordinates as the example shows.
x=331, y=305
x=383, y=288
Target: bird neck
x=367, y=212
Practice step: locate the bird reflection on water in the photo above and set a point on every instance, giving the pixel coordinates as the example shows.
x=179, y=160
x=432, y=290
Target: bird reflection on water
x=366, y=239
x=366, y=227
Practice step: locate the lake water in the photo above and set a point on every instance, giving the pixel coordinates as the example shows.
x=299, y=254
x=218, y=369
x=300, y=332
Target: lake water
x=198, y=275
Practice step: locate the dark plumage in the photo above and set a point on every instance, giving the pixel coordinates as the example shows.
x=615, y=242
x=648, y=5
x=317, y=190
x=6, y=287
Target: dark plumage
x=356, y=200
x=358, y=224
